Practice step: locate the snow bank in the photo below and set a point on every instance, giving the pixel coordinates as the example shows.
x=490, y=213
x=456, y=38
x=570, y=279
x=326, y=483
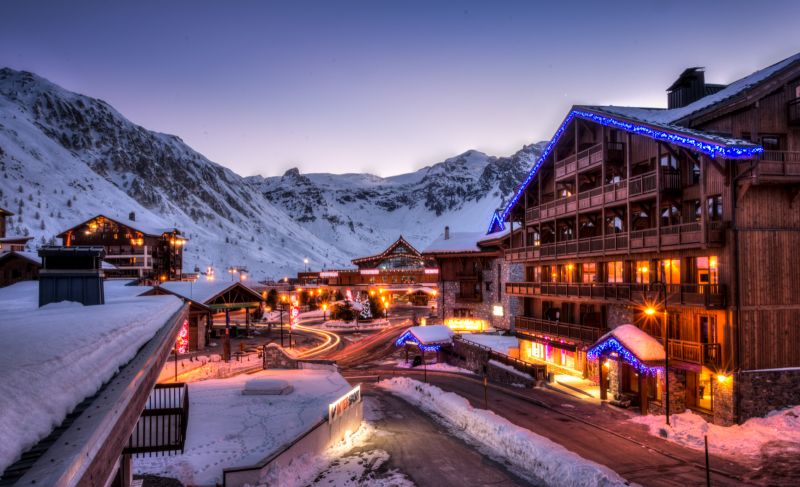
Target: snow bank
x=537, y=456
x=497, y=343
x=54, y=357
x=228, y=429
x=442, y=367
x=688, y=429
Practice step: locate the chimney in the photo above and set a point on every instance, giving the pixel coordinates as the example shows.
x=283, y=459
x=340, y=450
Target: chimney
x=689, y=87
x=132, y=216
x=71, y=274
x=447, y=233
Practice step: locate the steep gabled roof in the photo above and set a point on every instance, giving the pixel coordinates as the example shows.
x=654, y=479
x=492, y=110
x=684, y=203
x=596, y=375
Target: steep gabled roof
x=664, y=125
x=204, y=292
x=400, y=241
x=3, y=211
x=151, y=229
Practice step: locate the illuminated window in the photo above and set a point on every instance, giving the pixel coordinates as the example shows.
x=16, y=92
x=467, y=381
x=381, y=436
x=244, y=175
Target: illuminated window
x=588, y=272
x=614, y=271
x=670, y=271
x=642, y=272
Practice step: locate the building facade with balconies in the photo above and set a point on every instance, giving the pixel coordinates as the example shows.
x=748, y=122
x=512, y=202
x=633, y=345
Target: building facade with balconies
x=145, y=250
x=682, y=221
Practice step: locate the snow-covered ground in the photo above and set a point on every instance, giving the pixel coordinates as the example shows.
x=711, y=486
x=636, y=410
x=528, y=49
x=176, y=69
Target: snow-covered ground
x=497, y=343
x=228, y=429
x=203, y=367
x=352, y=326
x=511, y=369
x=442, y=367
x=688, y=429
x=534, y=456
x=55, y=356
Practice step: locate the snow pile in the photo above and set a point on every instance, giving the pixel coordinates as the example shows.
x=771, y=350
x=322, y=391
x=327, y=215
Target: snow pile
x=266, y=387
x=457, y=242
x=497, y=343
x=228, y=429
x=54, y=357
x=439, y=366
x=688, y=429
x=537, y=456
x=510, y=369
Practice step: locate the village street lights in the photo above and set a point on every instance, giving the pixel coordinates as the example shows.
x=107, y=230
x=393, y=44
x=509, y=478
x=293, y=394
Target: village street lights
x=305, y=261
x=651, y=311
x=282, y=306
x=324, y=312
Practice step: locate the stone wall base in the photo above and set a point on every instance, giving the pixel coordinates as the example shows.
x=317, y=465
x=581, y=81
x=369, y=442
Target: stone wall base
x=762, y=391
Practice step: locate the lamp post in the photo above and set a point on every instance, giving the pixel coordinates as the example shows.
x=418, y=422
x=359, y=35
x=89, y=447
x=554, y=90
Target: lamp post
x=305, y=261
x=650, y=311
x=324, y=312
x=282, y=306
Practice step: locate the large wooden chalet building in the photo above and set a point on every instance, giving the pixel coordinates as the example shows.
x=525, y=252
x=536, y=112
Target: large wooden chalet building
x=136, y=249
x=688, y=215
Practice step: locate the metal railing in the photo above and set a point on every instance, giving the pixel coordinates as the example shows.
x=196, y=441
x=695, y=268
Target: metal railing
x=572, y=331
x=162, y=426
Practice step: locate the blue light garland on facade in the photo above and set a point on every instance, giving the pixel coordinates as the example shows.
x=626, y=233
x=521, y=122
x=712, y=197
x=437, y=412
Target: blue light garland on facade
x=708, y=148
x=612, y=345
x=409, y=337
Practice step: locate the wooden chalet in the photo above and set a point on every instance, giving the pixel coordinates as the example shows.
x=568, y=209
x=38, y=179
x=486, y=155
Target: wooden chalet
x=18, y=266
x=10, y=243
x=688, y=215
x=472, y=271
x=136, y=249
x=400, y=265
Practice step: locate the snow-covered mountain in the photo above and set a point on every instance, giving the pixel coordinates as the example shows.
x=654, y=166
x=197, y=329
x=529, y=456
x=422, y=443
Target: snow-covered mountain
x=65, y=157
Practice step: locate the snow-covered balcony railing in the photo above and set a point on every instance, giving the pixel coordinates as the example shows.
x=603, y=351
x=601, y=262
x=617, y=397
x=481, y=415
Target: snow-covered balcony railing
x=570, y=331
x=162, y=426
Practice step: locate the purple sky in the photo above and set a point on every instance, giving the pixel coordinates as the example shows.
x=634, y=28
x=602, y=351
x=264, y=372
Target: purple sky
x=380, y=86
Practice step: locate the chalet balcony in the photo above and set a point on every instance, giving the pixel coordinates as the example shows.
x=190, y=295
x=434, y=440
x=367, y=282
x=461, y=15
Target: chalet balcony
x=777, y=167
x=710, y=296
x=584, y=334
x=695, y=352
x=793, y=109
x=162, y=426
x=596, y=198
x=585, y=159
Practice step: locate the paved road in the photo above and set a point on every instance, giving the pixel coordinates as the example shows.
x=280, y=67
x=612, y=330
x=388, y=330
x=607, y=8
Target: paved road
x=597, y=433
x=424, y=451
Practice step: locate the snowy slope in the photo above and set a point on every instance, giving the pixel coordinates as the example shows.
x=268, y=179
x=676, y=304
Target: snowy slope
x=65, y=157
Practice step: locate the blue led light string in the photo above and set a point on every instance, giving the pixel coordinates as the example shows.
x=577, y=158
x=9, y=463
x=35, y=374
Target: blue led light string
x=408, y=337
x=612, y=345
x=710, y=149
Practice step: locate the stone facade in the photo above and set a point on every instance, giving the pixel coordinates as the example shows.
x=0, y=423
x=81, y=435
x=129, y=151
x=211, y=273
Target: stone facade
x=500, y=375
x=275, y=357
x=677, y=393
x=619, y=315
x=723, y=402
x=492, y=293
x=761, y=391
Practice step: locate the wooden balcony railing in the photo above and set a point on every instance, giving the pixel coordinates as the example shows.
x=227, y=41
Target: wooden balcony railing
x=572, y=331
x=582, y=160
x=695, y=352
x=793, y=109
x=162, y=425
x=707, y=295
x=778, y=165
x=469, y=298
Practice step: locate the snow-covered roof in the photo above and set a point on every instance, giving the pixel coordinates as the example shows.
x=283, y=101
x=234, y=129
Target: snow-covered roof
x=202, y=291
x=428, y=335
x=33, y=257
x=147, y=224
x=456, y=242
x=57, y=355
x=642, y=346
x=498, y=343
x=16, y=239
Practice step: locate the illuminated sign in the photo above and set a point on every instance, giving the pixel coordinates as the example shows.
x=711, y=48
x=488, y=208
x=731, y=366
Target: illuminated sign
x=294, y=312
x=329, y=274
x=497, y=310
x=182, y=342
x=465, y=324
x=338, y=407
x=369, y=272
x=431, y=271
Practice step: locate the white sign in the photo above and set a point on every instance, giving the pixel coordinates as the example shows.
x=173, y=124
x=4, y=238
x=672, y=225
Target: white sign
x=431, y=271
x=329, y=274
x=369, y=272
x=335, y=409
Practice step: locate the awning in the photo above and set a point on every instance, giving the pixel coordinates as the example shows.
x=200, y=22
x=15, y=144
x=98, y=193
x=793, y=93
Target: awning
x=631, y=345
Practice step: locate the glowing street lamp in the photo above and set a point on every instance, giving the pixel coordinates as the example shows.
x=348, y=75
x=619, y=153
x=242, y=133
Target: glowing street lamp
x=324, y=312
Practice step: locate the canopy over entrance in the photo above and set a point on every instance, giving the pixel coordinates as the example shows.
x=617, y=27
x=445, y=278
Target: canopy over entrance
x=631, y=345
x=427, y=338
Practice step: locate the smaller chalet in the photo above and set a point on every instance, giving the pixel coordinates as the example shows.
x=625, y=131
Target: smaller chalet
x=7, y=243
x=426, y=338
x=18, y=266
x=147, y=250
x=472, y=273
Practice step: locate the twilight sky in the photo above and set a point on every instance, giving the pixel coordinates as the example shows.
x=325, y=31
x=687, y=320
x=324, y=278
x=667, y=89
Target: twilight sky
x=380, y=86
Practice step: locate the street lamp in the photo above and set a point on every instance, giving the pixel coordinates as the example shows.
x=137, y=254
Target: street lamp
x=651, y=311
x=324, y=312
x=305, y=261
